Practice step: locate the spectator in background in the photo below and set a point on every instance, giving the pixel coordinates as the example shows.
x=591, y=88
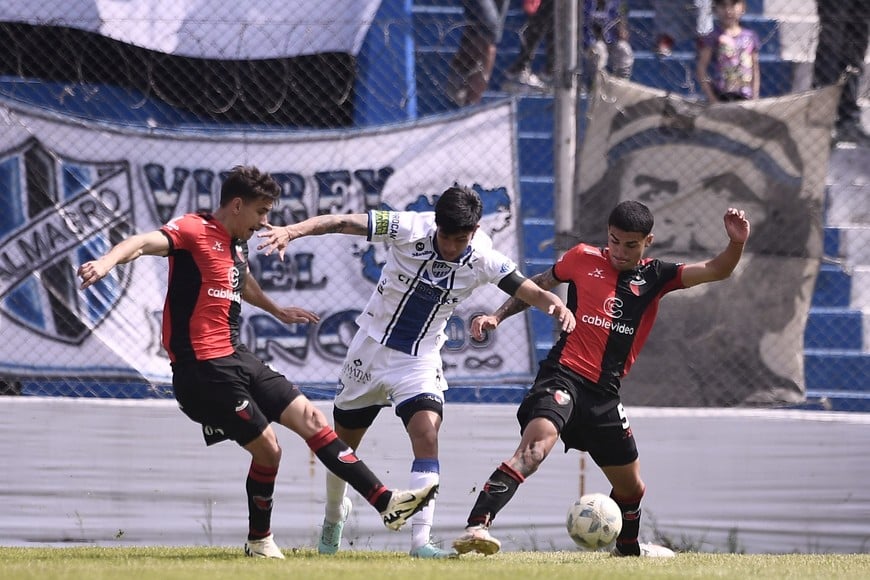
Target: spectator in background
x=471, y=67
x=843, y=35
x=733, y=53
x=678, y=20
x=539, y=26
x=605, y=43
x=605, y=39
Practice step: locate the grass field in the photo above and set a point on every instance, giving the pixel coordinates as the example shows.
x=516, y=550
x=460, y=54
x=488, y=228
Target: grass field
x=229, y=563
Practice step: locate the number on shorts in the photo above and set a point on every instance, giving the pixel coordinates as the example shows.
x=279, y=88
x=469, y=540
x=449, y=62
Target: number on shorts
x=623, y=417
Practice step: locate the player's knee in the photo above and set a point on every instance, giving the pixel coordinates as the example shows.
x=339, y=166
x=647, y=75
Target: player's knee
x=629, y=490
x=265, y=449
x=424, y=402
x=315, y=418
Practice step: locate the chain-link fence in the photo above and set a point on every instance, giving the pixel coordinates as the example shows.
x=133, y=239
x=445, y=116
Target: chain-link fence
x=118, y=117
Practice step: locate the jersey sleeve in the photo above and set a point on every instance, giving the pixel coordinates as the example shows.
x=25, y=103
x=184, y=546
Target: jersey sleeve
x=181, y=231
x=675, y=273
x=496, y=265
x=569, y=262
x=396, y=226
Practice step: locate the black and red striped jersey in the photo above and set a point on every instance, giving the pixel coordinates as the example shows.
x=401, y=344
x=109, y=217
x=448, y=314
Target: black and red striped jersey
x=615, y=311
x=207, y=273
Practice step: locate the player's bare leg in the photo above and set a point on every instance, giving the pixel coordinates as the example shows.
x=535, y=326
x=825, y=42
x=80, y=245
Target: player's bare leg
x=539, y=438
x=628, y=490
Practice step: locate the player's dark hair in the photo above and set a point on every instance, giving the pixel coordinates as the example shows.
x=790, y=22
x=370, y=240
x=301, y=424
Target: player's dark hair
x=248, y=183
x=631, y=216
x=459, y=209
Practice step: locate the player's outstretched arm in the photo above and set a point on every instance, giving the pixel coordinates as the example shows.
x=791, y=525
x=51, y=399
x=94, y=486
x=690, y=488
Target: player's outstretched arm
x=275, y=239
x=514, y=305
x=253, y=294
x=720, y=267
x=546, y=301
x=151, y=244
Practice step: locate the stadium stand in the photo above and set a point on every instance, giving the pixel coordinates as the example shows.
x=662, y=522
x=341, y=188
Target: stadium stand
x=837, y=353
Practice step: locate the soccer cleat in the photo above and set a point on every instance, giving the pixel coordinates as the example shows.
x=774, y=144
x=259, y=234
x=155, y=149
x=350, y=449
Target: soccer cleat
x=477, y=539
x=263, y=548
x=430, y=550
x=646, y=551
x=404, y=504
x=330, y=535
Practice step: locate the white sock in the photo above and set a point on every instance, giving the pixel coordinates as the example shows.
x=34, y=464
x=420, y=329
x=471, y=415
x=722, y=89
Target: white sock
x=421, y=522
x=336, y=487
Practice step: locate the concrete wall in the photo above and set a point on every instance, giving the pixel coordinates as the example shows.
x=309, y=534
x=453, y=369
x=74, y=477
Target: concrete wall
x=137, y=473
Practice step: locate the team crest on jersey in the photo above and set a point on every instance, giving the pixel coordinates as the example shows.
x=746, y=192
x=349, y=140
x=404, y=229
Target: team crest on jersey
x=59, y=213
x=441, y=269
x=561, y=397
x=240, y=253
x=637, y=284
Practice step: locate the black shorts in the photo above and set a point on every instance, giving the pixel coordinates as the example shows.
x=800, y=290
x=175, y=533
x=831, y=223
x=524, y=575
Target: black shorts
x=233, y=397
x=587, y=417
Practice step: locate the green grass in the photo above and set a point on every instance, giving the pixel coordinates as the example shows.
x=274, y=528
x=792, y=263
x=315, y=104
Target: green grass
x=229, y=563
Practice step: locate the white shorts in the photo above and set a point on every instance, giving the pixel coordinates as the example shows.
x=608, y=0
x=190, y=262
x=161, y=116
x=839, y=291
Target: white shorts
x=374, y=375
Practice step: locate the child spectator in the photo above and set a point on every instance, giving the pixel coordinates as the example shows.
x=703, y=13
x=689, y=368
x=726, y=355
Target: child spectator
x=733, y=53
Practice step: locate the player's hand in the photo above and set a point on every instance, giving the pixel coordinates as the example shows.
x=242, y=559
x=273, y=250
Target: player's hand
x=92, y=272
x=564, y=316
x=294, y=315
x=481, y=324
x=275, y=239
x=737, y=225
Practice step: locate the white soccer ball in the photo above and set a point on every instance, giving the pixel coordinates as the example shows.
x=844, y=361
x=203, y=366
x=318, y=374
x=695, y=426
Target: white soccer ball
x=594, y=521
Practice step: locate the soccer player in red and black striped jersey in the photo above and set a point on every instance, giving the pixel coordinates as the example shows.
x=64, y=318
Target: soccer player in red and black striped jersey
x=217, y=381
x=614, y=293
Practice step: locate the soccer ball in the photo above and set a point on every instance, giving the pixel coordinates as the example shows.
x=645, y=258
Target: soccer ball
x=594, y=521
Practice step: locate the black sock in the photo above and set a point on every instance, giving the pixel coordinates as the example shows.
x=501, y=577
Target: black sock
x=497, y=491
x=260, y=487
x=627, y=539
x=341, y=460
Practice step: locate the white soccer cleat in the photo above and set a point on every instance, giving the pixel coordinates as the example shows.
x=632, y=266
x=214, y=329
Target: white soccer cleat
x=404, y=504
x=646, y=551
x=477, y=539
x=263, y=548
x=330, y=535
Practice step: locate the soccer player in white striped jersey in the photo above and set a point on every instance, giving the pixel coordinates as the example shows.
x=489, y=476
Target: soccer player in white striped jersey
x=435, y=260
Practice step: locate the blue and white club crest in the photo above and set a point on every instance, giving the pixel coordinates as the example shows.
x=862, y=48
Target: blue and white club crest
x=441, y=269
x=57, y=214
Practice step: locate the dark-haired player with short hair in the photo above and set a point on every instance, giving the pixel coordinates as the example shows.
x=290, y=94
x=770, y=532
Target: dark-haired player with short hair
x=435, y=261
x=217, y=381
x=614, y=292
